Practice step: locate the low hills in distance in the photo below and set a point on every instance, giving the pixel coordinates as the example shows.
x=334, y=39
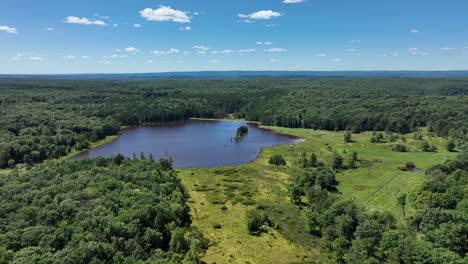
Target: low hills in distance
x=251, y=74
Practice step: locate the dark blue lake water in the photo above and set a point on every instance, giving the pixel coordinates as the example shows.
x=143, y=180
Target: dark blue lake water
x=193, y=143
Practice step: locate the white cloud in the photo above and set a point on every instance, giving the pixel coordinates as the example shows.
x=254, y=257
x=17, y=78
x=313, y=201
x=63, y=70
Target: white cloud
x=466, y=47
x=276, y=50
x=104, y=62
x=101, y=17
x=215, y=61
x=351, y=50
x=84, y=21
x=165, y=13
x=355, y=41
x=85, y=57
x=150, y=61
x=118, y=50
x=161, y=52
x=337, y=60
x=264, y=43
x=137, y=25
x=322, y=55
x=293, y=1
x=222, y=51
x=273, y=60
x=201, y=48
x=264, y=14
x=417, y=52
x=69, y=57
x=246, y=50
x=187, y=28
x=8, y=29
x=35, y=58
x=49, y=29
x=115, y=25
x=414, y=31
x=28, y=55
x=201, y=52
x=131, y=49
x=447, y=48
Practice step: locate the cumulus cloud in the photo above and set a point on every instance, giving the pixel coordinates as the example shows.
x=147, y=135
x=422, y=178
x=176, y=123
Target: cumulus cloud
x=137, y=25
x=69, y=57
x=187, y=28
x=414, y=31
x=337, y=60
x=264, y=43
x=49, y=29
x=276, y=50
x=35, y=58
x=264, y=14
x=447, y=48
x=150, y=61
x=162, y=52
x=246, y=50
x=8, y=29
x=417, y=52
x=276, y=61
x=131, y=49
x=322, y=55
x=165, y=13
x=204, y=48
x=293, y=1
x=222, y=51
x=28, y=55
x=84, y=21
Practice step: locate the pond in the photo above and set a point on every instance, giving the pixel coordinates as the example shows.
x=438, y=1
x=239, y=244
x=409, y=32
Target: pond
x=193, y=143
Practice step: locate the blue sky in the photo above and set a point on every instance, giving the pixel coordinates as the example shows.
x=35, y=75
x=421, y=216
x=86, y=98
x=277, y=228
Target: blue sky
x=108, y=36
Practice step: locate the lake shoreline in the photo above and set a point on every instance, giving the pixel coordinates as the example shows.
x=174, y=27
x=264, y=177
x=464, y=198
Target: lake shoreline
x=293, y=138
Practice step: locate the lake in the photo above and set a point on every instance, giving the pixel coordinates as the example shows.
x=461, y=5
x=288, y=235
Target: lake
x=192, y=143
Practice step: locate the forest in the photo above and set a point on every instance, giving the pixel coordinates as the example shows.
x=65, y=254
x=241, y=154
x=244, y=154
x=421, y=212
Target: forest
x=128, y=210
x=45, y=119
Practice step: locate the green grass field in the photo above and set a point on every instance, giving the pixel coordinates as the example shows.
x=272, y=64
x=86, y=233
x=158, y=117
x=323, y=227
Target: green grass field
x=221, y=196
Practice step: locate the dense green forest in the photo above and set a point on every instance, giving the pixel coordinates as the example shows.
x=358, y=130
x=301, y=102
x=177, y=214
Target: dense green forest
x=113, y=210
x=122, y=210
x=48, y=118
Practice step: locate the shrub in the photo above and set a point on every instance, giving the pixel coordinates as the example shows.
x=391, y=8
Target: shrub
x=410, y=165
x=257, y=220
x=277, y=160
x=400, y=148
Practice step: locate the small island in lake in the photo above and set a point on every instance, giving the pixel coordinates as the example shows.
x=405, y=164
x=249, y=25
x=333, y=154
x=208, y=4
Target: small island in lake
x=241, y=131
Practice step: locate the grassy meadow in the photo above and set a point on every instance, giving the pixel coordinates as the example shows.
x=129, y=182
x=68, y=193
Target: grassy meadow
x=220, y=197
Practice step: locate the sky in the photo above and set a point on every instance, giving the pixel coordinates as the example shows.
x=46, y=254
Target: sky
x=133, y=36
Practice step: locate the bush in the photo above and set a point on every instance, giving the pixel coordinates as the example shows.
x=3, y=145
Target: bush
x=277, y=160
x=450, y=146
x=257, y=220
x=410, y=165
x=217, y=226
x=400, y=148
